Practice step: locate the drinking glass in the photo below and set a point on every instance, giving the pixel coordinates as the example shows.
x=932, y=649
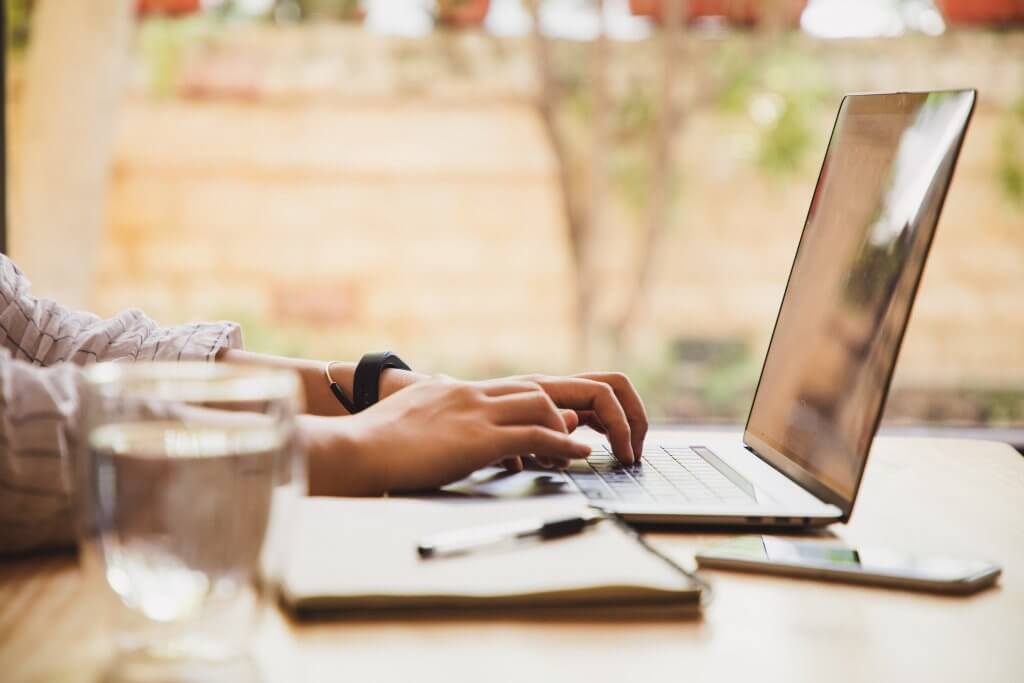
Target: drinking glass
x=188, y=475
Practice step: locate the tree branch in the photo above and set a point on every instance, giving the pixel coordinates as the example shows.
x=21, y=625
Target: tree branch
x=670, y=118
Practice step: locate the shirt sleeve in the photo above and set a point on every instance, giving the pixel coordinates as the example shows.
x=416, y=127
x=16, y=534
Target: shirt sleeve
x=38, y=420
x=42, y=346
x=41, y=332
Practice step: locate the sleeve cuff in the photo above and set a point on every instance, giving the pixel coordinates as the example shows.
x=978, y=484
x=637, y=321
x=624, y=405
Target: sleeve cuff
x=198, y=342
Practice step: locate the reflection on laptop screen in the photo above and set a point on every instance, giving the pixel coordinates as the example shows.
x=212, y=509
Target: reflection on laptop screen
x=856, y=270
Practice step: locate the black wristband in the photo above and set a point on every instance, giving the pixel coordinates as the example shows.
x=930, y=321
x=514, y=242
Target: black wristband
x=366, y=381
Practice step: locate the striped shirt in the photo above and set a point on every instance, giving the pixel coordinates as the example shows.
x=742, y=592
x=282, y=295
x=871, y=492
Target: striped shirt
x=42, y=346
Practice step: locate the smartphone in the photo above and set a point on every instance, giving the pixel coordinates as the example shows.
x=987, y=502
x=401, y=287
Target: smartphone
x=836, y=562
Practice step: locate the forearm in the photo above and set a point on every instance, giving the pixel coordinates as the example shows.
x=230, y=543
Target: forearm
x=317, y=394
x=341, y=460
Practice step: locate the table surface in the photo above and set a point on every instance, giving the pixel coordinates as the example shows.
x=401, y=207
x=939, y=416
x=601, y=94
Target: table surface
x=926, y=495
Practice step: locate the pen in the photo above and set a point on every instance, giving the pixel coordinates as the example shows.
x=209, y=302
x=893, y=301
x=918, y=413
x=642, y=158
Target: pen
x=468, y=540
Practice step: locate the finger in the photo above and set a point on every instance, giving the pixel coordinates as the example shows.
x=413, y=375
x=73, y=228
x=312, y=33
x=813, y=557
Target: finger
x=589, y=419
x=525, y=408
x=552, y=463
x=542, y=442
x=632, y=404
x=503, y=387
x=571, y=419
x=587, y=394
x=545, y=462
x=513, y=464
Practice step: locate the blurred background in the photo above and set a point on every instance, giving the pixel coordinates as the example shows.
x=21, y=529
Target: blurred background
x=500, y=186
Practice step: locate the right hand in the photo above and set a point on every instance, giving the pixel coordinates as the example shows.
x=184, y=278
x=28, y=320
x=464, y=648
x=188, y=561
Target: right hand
x=435, y=432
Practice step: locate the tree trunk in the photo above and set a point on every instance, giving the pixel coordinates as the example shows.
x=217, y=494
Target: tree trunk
x=61, y=142
x=574, y=210
x=657, y=216
x=600, y=142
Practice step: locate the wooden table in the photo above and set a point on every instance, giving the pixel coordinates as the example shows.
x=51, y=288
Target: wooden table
x=963, y=497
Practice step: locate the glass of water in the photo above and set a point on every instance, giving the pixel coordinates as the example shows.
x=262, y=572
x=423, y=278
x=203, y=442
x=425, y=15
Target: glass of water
x=188, y=475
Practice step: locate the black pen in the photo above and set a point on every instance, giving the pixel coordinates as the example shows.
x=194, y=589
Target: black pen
x=468, y=540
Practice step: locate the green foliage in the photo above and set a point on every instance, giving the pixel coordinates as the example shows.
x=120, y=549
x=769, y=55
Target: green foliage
x=19, y=15
x=653, y=379
x=338, y=10
x=782, y=93
x=1011, y=169
x=729, y=388
x=1010, y=155
x=165, y=42
x=630, y=174
x=739, y=75
x=785, y=143
x=633, y=121
x=634, y=114
x=998, y=407
x=697, y=379
x=719, y=373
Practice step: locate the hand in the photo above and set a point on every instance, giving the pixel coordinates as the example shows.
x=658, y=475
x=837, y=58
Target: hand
x=605, y=401
x=434, y=432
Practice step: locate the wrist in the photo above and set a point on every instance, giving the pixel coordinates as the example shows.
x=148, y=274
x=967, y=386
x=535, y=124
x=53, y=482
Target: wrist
x=347, y=398
x=394, y=379
x=340, y=457
x=316, y=394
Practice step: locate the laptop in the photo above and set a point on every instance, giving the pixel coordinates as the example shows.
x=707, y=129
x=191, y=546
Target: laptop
x=838, y=332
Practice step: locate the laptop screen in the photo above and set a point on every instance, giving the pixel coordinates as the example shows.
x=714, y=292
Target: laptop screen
x=852, y=284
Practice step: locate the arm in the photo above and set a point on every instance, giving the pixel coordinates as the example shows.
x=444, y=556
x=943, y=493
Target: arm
x=606, y=401
x=43, y=333
x=41, y=346
x=318, y=397
x=394, y=446
x=434, y=432
x=439, y=430
x=429, y=434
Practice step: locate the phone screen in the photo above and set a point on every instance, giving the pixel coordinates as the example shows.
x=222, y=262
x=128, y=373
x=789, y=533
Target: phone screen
x=843, y=558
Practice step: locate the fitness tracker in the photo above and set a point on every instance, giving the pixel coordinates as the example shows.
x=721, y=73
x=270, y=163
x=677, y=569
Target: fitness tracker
x=366, y=381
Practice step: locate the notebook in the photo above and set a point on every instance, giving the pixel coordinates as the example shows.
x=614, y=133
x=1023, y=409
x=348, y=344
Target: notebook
x=360, y=554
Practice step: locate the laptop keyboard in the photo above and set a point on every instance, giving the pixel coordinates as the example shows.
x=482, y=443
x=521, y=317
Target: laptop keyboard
x=664, y=475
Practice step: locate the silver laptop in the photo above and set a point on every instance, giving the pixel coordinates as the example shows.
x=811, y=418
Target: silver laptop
x=838, y=332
